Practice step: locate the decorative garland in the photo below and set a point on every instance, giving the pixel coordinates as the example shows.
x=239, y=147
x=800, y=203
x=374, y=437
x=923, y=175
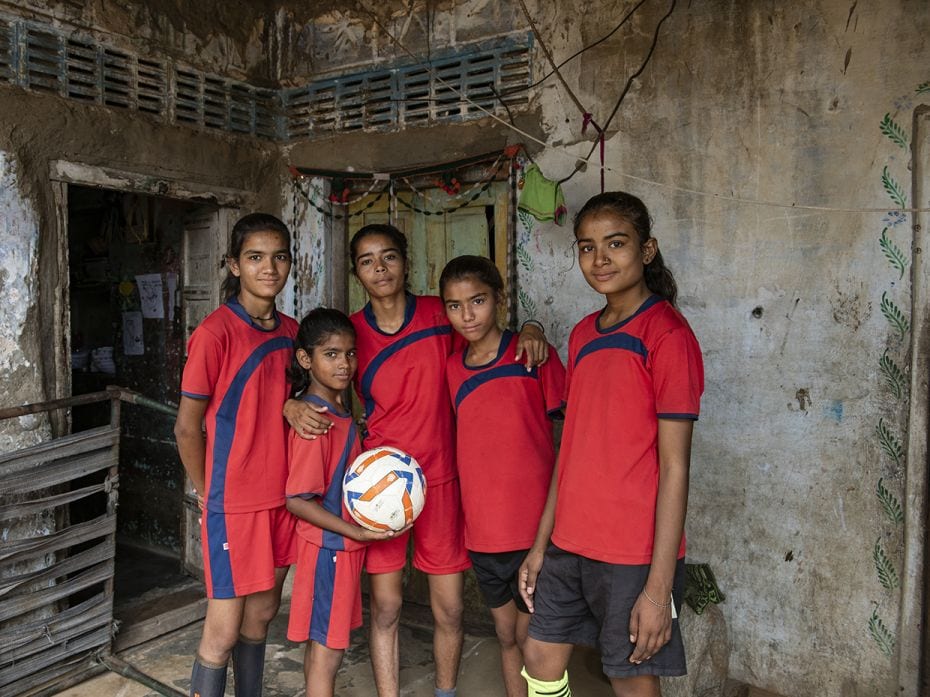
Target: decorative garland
x=484, y=186
x=330, y=212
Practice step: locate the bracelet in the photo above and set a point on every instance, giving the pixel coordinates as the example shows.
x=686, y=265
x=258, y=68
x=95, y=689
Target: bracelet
x=534, y=322
x=663, y=606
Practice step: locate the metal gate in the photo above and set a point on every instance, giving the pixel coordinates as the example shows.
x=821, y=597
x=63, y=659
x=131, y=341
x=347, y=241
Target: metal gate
x=56, y=584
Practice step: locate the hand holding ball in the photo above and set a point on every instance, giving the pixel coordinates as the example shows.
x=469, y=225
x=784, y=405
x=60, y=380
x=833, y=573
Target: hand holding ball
x=384, y=489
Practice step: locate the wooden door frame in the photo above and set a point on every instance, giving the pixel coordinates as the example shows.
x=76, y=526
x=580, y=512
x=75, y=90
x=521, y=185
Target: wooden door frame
x=54, y=301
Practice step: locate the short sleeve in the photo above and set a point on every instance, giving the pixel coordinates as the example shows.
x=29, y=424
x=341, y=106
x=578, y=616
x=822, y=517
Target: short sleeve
x=306, y=467
x=677, y=375
x=552, y=379
x=203, y=366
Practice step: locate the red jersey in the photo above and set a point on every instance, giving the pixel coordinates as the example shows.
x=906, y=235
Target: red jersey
x=621, y=381
x=401, y=381
x=239, y=368
x=316, y=470
x=504, y=450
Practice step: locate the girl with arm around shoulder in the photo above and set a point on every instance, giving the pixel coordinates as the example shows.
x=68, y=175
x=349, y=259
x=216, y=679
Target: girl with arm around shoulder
x=504, y=446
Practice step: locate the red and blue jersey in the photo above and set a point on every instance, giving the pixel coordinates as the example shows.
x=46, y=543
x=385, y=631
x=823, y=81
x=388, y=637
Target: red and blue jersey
x=401, y=381
x=239, y=368
x=316, y=470
x=504, y=449
x=621, y=381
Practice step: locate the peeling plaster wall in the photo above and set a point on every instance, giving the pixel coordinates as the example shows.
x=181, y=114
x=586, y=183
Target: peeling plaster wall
x=780, y=103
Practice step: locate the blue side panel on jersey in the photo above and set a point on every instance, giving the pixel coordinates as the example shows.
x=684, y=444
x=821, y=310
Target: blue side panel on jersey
x=619, y=340
x=514, y=370
x=369, y=377
x=324, y=585
x=332, y=500
x=220, y=567
x=227, y=413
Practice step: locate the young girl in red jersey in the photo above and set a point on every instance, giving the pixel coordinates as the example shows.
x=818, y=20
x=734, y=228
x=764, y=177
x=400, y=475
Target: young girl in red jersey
x=613, y=574
x=233, y=379
x=326, y=604
x=403, y=341
x=504, y=448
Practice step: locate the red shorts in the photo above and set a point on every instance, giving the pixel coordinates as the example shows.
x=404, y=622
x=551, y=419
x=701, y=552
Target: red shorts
x=326, y=603
x=242, y=550
x=438, y=537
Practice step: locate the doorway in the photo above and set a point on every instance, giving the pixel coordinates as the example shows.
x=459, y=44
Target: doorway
x=139, y=269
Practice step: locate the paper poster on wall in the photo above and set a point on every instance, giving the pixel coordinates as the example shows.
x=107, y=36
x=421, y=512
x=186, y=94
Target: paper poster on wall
x=171, y=280
x=133, y=342
x=150, y=294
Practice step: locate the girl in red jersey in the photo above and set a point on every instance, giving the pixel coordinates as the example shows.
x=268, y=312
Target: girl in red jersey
x=233, y=379
x=403, y=341
x=326, y=604
x=504, y=447
x=613, y=573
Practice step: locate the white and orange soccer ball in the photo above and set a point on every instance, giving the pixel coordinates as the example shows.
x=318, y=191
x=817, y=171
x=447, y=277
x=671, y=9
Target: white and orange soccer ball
x=384, y=489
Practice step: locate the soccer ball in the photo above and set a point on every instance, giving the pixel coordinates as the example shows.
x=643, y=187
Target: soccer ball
x=384, y=489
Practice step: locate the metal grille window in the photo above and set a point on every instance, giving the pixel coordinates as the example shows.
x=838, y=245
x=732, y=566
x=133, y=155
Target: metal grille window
x=453, y=88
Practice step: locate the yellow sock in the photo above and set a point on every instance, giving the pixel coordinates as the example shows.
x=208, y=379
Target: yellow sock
x=540, y=688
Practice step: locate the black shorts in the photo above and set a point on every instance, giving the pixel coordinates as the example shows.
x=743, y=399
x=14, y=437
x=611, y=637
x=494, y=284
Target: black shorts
x=583, y=601
x=497, y=577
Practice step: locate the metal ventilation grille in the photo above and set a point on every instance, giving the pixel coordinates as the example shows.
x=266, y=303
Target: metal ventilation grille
x=411, y=95
x=42, y=58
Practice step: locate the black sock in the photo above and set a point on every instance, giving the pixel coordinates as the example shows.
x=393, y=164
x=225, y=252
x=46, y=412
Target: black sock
x=248, y=658
x=207, y=679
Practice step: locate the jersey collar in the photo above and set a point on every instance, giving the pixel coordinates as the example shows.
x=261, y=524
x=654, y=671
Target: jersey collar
x=647, y=303
x=410, y=306
x=506, y=336
x=234, y=305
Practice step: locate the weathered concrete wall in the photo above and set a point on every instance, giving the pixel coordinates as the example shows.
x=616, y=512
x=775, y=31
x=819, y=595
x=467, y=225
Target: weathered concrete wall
x=797, y=310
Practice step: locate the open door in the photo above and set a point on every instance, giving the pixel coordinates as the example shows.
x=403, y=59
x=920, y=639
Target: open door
x=206, y=232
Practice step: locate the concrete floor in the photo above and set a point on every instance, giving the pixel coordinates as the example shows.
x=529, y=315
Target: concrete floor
x=168, y=659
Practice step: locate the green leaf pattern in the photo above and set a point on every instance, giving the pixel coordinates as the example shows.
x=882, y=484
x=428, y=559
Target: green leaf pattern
x=894, y=190
x=894, y=376
x=887, y=576
x=880, y=634
x=893, y=253
x=890, y=503
x=894, y=315
x=889, y=442
x=894, y=131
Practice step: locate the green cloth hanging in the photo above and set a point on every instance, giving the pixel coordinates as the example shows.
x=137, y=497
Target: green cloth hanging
x=542, y=198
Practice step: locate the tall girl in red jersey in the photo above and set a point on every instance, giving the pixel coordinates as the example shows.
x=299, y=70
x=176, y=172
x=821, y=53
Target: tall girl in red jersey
x=403, y=341
x=613, y=574
x=234, y=382
x=504, y=447
x=327, y=600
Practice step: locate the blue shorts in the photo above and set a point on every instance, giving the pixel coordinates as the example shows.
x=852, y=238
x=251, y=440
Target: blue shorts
x=584, y=601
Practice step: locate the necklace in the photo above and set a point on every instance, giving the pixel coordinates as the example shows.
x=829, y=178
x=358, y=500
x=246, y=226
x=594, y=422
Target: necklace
x=262, y=319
